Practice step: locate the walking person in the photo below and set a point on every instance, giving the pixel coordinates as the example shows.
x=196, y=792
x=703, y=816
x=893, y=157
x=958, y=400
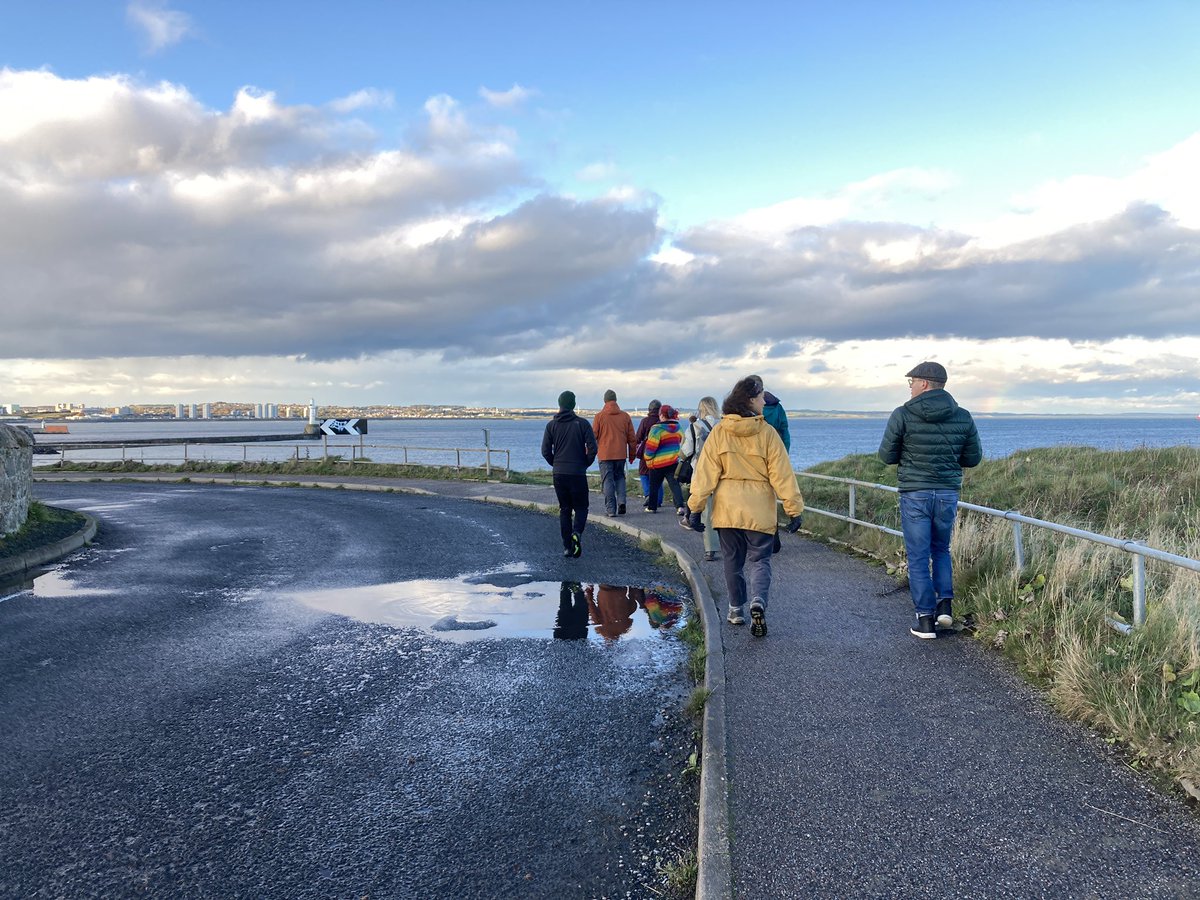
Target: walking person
x=569, y=446
x=617, y=442
x=776, y=417
x=744, y=468
x=931, y=439
x=661, y=453
x=707, y=415
x=643, y=431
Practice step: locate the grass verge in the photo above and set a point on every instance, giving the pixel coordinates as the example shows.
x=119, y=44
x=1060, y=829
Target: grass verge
x=1143, y=690
x=44, y=525
x=333, y=465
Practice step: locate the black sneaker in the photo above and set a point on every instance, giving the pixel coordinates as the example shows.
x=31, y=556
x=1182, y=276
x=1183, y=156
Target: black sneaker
x=568, y=553
x=945, y=615
x=924, y=628
x=758, y=620
x=576, y=546
x=621, y=509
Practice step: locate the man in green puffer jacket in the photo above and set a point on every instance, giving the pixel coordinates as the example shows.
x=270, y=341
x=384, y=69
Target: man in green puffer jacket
x=932, y=439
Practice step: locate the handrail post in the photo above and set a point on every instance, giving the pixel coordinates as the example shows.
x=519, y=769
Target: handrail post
x=1018, y=547
x=1139, y=590
x=853, y=505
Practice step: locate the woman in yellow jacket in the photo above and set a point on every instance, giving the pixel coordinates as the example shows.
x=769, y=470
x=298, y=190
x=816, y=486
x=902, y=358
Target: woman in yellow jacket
x=744, y=467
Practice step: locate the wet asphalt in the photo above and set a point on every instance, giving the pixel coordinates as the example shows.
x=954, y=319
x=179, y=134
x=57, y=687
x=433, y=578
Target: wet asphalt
x=176, y=723
x=865, y=763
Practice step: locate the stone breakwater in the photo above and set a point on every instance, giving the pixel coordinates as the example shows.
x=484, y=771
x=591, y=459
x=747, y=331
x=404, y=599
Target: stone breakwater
x=16, y=476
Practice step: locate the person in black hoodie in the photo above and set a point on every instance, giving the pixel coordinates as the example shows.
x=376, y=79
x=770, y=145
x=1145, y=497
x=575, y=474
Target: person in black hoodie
x=569, y=446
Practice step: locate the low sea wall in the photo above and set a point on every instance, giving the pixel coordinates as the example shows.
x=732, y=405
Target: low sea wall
x=16, y=476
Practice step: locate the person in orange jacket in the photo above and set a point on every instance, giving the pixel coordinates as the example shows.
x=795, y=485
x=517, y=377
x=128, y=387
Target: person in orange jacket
x=617, y=442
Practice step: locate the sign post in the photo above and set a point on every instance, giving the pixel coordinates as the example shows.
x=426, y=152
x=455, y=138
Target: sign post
x=343, y=427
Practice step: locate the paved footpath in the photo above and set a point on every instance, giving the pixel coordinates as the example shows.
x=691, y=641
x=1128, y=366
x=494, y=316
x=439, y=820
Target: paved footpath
x=864, y=763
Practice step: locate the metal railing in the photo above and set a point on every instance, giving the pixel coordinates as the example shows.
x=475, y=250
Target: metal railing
x=1138, y=551
x=488, y=459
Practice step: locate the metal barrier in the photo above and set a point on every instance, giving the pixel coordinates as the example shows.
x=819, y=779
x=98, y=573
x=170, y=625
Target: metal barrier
x=169, y=453
x=1139, y=552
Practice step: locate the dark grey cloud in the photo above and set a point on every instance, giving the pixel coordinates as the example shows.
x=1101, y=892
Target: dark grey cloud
x=155, y=227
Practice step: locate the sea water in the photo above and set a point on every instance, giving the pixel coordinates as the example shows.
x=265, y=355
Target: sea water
x=517, y=442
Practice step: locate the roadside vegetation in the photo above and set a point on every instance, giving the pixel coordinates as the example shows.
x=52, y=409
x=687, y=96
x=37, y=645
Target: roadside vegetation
x=332, y=465
x=44, y=525
x=1142, y=691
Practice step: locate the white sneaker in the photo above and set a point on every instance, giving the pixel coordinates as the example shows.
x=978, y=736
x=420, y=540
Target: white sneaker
x=736, y=616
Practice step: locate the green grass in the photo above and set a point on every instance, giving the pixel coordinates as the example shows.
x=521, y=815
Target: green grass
x=44, y=525
x=679, y=876
x=333, y=465
x=692, y=634
x=1143, y=690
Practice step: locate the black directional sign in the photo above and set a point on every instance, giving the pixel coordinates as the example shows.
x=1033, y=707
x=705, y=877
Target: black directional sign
x=344, y=426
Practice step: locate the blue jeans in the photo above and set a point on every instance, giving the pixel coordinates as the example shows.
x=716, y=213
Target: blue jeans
x=612, y=484
x=927, y=520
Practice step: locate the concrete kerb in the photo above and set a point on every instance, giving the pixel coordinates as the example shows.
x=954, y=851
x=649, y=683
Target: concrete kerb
x=714, y=879
x=31, y=559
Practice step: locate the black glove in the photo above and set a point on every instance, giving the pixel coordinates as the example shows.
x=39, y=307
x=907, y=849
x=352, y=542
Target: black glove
x=794, y=525
x=694, y=523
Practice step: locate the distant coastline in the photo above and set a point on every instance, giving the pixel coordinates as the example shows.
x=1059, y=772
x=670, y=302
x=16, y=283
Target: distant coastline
x=451, y=413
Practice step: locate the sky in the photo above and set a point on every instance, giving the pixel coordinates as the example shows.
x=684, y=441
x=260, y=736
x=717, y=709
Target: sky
x=485, y=204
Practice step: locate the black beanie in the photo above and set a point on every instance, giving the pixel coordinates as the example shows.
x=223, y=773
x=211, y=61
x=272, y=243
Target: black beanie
x=610, y=395
x=566, y=400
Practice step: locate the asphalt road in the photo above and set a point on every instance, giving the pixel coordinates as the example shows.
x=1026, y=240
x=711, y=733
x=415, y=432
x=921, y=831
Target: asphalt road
x=178, y=723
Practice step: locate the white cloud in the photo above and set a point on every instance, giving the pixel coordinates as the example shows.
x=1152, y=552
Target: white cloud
x=368, y=98
x=161, y=27
x=871, y=198
x=514, y=97
x=597, y=171
x=283, y=236
x=1166, y=180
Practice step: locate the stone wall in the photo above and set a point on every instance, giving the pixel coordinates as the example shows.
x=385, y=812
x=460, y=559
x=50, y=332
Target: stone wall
x=16, y=476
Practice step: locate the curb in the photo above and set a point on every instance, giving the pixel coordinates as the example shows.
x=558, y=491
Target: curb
x=714, y=878
x=31, y=559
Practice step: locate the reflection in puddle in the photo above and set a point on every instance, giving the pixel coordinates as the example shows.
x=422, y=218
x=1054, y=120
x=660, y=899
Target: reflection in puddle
x=476, y=607
x=52, y=583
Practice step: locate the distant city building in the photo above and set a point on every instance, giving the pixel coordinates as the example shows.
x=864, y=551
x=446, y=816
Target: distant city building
x=192, y=411
x=208, y=410
x=179, y=410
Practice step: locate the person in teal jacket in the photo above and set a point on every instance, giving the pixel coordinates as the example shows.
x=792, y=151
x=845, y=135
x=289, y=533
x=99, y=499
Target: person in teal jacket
x=931, y=439
x=776, y=416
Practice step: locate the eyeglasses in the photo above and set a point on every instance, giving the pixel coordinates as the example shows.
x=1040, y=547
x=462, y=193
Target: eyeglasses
x=912, y=381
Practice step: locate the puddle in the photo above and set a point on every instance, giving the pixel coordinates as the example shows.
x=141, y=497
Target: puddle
x=507, y=605
x=52, y=583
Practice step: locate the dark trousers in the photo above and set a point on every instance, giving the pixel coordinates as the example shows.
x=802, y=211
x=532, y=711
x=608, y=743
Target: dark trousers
x=572, y=493
x=571, y=623
x=657, y=477
x=746, y=557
